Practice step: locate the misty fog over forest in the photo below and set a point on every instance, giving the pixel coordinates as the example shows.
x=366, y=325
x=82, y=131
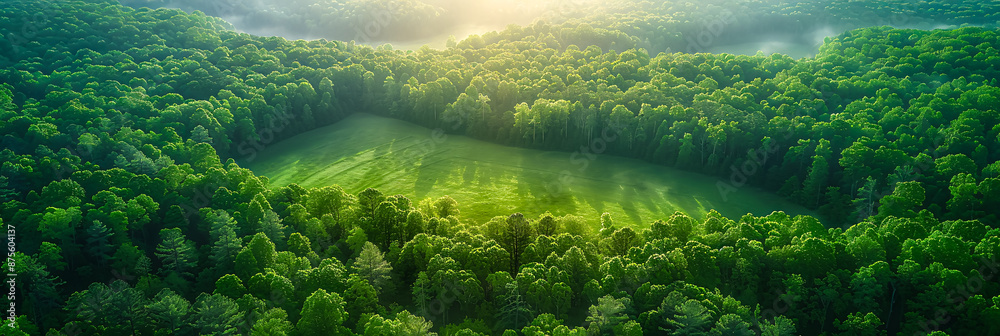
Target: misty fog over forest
x=410, y=24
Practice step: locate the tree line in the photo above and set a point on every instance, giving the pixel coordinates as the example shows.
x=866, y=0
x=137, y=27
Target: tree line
x=123, y=130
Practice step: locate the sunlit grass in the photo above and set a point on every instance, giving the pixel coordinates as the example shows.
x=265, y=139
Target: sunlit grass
x=487, y=180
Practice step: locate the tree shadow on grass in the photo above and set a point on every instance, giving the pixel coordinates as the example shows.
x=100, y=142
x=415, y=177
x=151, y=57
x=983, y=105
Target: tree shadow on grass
x=429, y=172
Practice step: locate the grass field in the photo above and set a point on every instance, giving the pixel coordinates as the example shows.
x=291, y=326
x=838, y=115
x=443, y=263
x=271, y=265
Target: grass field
x=487, y=180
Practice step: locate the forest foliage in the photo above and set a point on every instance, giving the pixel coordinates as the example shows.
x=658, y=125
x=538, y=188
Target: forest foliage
x=123, y=131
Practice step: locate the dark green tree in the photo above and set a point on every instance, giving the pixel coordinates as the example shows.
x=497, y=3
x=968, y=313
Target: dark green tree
x=514, y=312
x=170, y=311
x=176, y=252
x=515, y=236
x=215, y=315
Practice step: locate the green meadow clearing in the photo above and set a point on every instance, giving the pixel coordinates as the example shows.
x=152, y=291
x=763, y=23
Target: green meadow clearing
x=487, y=180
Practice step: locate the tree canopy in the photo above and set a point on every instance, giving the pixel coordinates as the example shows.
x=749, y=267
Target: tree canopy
x=124, y=129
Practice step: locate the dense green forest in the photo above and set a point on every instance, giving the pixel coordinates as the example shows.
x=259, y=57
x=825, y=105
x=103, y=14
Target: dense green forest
x=128, y=211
